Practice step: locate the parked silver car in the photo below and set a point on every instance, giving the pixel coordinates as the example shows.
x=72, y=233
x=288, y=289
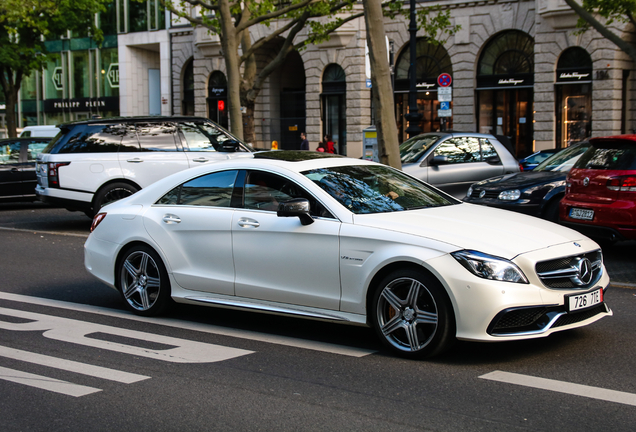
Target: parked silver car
x=452, y=161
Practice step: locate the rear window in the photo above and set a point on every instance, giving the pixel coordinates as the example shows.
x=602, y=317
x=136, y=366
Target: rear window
x=91, y=139
x=609, y=155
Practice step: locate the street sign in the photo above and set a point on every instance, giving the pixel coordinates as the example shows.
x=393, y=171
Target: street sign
x=444, y=97
x=444, y=106
x=444, y=80
x=445, y=113
x=445, y=90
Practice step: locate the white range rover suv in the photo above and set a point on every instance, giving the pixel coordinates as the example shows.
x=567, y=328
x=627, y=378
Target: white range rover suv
x=94, y=162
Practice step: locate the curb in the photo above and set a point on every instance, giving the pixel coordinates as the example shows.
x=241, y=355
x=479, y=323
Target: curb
x=623, y=285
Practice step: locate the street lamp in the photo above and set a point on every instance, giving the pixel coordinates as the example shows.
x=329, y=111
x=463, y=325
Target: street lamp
x=413, y=115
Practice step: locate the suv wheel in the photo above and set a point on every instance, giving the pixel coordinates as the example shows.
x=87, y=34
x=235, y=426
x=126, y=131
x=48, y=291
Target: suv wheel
x=111, y=193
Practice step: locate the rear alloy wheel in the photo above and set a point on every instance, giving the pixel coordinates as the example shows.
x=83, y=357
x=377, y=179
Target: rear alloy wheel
x=412, y=314
x=143, y=281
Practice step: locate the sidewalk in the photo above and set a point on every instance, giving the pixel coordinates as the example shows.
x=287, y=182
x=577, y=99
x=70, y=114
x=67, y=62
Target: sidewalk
x=620, y=261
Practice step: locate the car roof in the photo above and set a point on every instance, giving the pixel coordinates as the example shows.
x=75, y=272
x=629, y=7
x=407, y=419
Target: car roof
x=133, y=119
x=608, y=139
x=456, y=134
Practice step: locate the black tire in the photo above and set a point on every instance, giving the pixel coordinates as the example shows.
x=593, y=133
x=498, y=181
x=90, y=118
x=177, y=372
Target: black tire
x=412, y=314
x=143, y=282
x=551, y=211
x=111, y=193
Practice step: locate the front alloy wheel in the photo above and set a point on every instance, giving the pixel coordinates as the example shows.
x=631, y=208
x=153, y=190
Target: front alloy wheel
x=412, y=315
x=143, y=281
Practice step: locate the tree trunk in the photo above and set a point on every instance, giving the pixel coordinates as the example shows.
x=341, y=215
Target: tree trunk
x=249, y=130
x=388, y=146
x=230, y=44
x=11, y=99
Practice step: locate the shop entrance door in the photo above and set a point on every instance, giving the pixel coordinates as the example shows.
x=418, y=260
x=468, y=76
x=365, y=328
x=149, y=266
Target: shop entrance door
x=508, y=112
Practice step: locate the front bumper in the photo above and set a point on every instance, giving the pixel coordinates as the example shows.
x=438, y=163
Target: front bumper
x=489, y=311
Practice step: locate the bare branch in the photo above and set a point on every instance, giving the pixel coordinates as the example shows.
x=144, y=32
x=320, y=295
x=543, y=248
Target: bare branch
x=275, y=14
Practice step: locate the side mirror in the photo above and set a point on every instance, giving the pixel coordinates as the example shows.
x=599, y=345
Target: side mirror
x=439, y=160
x=230, y=146
x=297, y=207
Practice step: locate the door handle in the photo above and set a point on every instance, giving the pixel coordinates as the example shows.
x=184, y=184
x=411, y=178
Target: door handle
x=200, y=159
x=171, y=219
x=248, y=223
x=135, y=160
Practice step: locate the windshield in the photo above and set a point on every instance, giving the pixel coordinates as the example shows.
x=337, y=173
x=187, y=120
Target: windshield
x=412, y=149
x=564, y=160
x=376, y=189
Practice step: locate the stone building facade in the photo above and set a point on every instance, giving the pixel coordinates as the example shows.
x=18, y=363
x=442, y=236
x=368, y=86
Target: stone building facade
x=518, y=68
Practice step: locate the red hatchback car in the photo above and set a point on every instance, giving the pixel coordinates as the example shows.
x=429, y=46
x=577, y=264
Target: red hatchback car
x=600, y=194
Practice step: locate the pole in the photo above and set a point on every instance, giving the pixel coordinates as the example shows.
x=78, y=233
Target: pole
x=413, y=115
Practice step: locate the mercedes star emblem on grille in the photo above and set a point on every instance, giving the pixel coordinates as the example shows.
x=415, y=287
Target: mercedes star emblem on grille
x=584, y=271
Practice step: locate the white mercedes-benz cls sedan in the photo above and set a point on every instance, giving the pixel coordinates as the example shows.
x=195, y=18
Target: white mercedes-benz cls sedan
x=332, y=238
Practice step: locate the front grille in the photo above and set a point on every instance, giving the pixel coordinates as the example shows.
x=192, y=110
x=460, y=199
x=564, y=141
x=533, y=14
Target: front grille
x=487, y=194
x=566, y=272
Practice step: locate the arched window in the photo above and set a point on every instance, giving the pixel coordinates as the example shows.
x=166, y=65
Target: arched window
x=334, y=98
x=509, y=53
x=217, y=98
x=187, y=103
x=432, y=60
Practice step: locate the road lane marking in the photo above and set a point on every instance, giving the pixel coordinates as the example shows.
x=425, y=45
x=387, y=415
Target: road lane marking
x=562, y=387
x=78, y=332
x=71, y=366
x=46, y=383
x=193, y=326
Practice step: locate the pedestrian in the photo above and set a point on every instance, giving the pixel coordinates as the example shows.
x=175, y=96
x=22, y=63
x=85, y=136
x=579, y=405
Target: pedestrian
x=304, y=144
x=321, y=147
x=328, y=144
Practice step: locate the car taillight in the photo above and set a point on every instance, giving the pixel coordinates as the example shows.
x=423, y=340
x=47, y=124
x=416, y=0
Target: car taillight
x=54, y=174
x=520, y=167
x=99, y=217
x=622, y=184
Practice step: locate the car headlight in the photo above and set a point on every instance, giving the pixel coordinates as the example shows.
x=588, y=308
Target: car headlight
x=510, y=195
x=470, y=191
x=490, y=267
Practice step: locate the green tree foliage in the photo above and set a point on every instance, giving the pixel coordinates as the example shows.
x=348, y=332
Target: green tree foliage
x=24, y=25
x=610, y=12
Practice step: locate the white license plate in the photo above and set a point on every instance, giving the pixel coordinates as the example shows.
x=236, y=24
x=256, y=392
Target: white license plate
x=583, y=301
x=577, y=213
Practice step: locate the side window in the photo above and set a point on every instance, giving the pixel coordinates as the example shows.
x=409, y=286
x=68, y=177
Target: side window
x=157, y=137
x=210, y=190
x=460, y=150
x=265, y=191
x=9, y=153
x=197, y=139
x=487, y=149
x=35, y=148
x=93, y=139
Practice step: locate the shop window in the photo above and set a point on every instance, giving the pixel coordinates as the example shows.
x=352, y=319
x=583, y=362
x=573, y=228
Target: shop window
x=334, y=117
x=217, y=99
x=187, y=104
x=573, y=97
x=505, y=97
x=432, y=60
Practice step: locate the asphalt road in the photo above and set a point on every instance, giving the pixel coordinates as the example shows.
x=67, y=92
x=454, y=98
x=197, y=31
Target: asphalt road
x=72, y=359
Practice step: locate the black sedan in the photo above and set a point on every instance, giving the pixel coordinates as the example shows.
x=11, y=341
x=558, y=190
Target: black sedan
x=536, y=193
x=17, y=167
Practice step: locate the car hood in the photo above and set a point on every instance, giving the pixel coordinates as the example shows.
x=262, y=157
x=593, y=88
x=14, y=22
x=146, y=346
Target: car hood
x=467, y=226
x=520, y=180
